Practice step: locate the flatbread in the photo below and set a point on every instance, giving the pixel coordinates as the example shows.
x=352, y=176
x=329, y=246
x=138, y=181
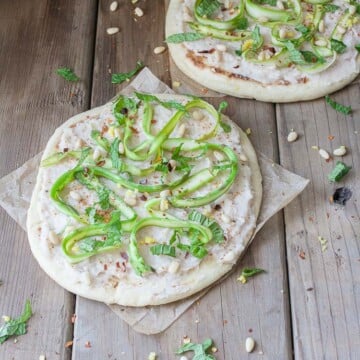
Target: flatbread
x=108, y=277
x=214, y=63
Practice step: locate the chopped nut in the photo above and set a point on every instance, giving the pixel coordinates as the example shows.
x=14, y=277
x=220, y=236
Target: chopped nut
x=164, y=205
x=130, y=198
x=324, y=154
x=173, y=267
x=321, y=42
x=315, y=147
x=321, y=26
x=197, y=115
x=221, y=47
x=112, y=30
x=341, y=30
x=96, y=154
x=293, y=135
x=248, y=131
x=214, y=349
x=341, y=151
x=243, y=157
x=225, y=219
x=121, y=148
x=113, y=6
x=176, y=84
x=159, y=50
x=138, y=12
x=54, y=239
x=280, y=5
x=249, y=344
x=75, y=195
x=186, y=340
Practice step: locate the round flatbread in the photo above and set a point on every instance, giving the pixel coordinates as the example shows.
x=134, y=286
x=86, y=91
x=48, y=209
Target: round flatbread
x=81, y=224
x=276, y=51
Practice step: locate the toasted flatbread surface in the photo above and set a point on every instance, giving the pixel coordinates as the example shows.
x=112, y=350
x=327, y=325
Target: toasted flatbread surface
x=221, y=65
x=109, y=276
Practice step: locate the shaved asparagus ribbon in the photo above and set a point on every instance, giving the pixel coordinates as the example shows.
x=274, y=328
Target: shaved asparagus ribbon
x=280, y=19
x=156, y=147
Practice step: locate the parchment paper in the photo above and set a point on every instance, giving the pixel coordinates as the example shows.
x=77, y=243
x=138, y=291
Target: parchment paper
x=279, y=188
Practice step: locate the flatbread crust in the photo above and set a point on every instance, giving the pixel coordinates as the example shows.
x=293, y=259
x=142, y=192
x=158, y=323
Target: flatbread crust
x=215, y=77
x=87, y=279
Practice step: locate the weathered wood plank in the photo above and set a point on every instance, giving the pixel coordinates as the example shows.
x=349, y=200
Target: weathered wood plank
x=35, y=39
x=228, y=312
x=324, y=286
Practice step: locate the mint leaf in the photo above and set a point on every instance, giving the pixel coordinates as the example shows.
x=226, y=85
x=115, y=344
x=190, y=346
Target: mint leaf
x=330, y=8
x=115, y=156
x=201, y=351
x=206, y=8
x=170, y=104
x=346, y=110
x=182, y=37
x=226, y=127
x=119, y=78
x=124, y=107
x=295, y=55
x=256, y=37
x=339, y=171
x=242, y=23
x=337, y=46
x=163, y=249
x=310, y=57
x=67, y=74
x=16, y=326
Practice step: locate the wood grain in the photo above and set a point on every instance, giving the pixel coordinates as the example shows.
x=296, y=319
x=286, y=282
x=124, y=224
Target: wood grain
x=35, y=40
x=324, y=284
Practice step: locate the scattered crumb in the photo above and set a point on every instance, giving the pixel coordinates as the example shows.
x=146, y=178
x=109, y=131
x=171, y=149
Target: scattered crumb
x=323, y=242
x=214, y=349
x=302, y=254
x=88, y=344
x=248, y=131
x=69, y=344
x=331, y=137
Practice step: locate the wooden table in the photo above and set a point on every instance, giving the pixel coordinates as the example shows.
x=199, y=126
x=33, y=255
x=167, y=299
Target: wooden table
x=307, y=304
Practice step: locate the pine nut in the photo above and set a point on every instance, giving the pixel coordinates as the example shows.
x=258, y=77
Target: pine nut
x=341, y=30
x=138, y=12
x=112, y=30
x=225, y=219
x=249, y=344
x=321, y=42
x=54, y=239
x=197, y=115
x=293, y=135
x=164, y=205
x=159, y=50
x=280, y=5
x=130, y=198
x=173, y=267
x=324, y=154
x=75, y=195
x=221, y=47
x=321, y=26
x=181, y=130
x=165, y=193
x=218, y=156
x=282, y=33
x=113, y=6
x=341, y=151
x=121, y=148
x=96, y=154
x=243, y=157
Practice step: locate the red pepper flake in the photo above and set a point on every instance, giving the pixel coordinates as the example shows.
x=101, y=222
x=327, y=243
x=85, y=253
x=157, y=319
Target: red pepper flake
x=105, y=267
x=69, y=344
x=331, y=137
x=88, y=344
x=302, y=254
x=225, y=322
x=73, y=318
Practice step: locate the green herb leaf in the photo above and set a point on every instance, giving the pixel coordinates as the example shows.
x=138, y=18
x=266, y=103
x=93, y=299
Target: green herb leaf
x=182, y=162
x=337, y=46
x=242, y=23
x=339, y=171
x=305, y=31
x=67, y=74
x=124, y=107
x=119, y=78
x=163, y=249
x=249, y=272
x=256, y=37
x=346, y=110
x=212, y=225
x=267, y=2
x=207, y=7
x=310, y=57
x=222, y=106
x=201, y=351
x=330, y=8
x=182, y=37
x=16, y=327
x=295, y=55
x=238, y=52
x=357, y=47
x=103, y=195
x=226, y=127
x=170, y=104
x=94, y=217
x=115, y=156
